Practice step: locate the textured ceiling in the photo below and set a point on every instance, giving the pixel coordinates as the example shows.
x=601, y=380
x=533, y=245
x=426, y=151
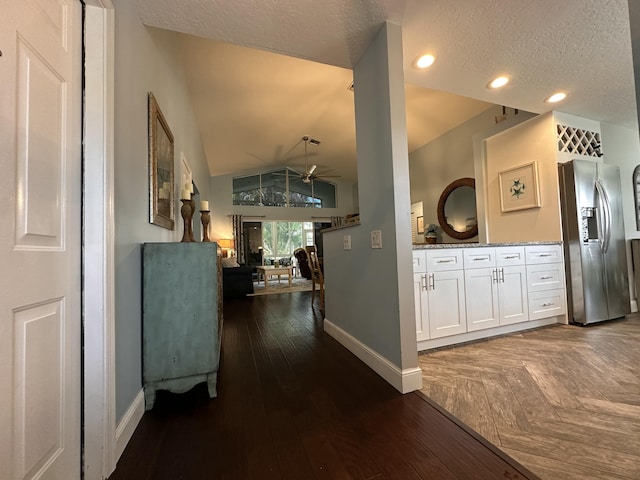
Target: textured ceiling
x=253, y=106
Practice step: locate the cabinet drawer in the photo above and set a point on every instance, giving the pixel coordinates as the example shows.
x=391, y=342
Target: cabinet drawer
x=548, y=303
x=506, y=256
x=546, y=276
x=419, y=261
x=439, y=260
x=479, y=257
x=543, y=254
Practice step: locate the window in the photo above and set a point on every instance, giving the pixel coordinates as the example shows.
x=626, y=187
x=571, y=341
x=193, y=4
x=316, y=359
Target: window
x=283, y=188
x=281, y=239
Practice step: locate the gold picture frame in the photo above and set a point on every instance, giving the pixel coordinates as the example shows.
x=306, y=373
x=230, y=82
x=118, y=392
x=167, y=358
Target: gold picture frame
x=519, y=187
x=161, y=168
x=420, y=225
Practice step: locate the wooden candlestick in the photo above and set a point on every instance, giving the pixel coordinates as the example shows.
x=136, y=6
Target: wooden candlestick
x=186, y=213
x=205, y=218
x=193, y=213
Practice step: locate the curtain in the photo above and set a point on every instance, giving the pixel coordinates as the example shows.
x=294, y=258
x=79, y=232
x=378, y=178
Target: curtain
x=238, y=237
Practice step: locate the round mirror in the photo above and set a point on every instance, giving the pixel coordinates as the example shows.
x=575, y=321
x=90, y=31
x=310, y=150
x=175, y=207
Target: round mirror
x=457, y=209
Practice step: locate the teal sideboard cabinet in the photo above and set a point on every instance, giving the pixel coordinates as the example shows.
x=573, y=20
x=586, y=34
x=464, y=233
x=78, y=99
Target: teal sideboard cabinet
x=181, y=317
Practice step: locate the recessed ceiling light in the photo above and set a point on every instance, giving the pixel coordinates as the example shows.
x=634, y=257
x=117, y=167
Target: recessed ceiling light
x=556, y=97
x=425, y=61
x=498, y=82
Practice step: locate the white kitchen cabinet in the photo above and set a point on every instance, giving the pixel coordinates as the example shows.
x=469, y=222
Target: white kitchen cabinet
x=421, y=299
x=447, y=312
x=536, y=254
x=547, y=303
x=445, y=292
x=496, y=287
x=481, y=298
x=466, y=293
x=512, y=293
x=438, y=287
x=545, y=281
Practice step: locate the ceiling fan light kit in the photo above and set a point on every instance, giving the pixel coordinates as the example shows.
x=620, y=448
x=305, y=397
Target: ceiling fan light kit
x=309, y=176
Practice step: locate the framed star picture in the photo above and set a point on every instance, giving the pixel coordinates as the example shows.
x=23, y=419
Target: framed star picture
x=519, y=187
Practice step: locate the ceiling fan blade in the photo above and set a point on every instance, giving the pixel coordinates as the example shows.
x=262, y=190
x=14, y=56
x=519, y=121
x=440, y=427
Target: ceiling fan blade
x=312, y=169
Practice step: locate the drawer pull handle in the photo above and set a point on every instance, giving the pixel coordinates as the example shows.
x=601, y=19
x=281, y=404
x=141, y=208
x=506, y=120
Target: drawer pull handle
x=476, y=259
x=548, y=304
x=509, y=257
x=544, y=254
x=444, y=261
x=546, y=277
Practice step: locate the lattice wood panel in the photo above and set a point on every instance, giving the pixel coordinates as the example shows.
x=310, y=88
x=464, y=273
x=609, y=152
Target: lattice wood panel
x=578, y=141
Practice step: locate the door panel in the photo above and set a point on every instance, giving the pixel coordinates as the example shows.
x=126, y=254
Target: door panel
x=615, y=259
x=40, y=189
x=512, y=292
x=421, y=306
x=481, y=289
x=447, y=313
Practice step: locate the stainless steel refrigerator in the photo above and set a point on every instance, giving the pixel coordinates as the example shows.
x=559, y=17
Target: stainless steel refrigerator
x=594, y=245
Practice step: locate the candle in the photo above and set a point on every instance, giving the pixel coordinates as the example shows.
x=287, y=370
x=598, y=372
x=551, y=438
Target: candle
x=204, y=205
x=162, y=193
x=186, y=194
x=189, y=186
x=167, y=186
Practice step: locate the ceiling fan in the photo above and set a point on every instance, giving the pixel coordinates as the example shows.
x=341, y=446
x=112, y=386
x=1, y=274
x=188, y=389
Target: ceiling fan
x=309, y=174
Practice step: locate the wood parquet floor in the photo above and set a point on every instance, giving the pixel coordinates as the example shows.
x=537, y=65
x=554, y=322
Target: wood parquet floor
x=564, y=400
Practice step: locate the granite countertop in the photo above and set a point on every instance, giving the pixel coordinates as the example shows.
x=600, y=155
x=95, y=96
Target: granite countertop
x=426, y=246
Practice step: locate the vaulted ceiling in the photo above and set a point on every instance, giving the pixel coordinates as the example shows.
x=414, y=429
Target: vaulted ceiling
x=264, y=73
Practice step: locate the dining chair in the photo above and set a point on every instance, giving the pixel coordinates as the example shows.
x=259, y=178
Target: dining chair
x=316, y=275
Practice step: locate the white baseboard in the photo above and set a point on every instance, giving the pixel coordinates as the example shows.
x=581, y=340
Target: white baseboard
x=404, y=381
x=128, y=424
x=488, y=333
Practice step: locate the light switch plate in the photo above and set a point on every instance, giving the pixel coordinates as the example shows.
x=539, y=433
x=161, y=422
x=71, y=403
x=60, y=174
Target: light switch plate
x=376, y=239
x=346, y=240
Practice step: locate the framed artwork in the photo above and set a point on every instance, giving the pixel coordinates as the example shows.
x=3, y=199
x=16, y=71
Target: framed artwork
x=161, y=176
x=519, y=187
x=420, y=224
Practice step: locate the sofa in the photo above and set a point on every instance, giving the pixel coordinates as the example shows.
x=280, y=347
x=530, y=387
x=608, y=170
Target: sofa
x=237, y=280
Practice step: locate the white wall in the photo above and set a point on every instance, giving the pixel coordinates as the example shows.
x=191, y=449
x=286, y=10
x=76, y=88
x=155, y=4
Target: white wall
x=145, y=60
x=369, y=294
x=533, y=140
x=448, y=158
x=221, y=204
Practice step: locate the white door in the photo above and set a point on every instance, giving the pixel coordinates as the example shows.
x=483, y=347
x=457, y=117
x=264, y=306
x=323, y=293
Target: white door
x=512, y=292
x=40, y=193
x=481, y=287
x=447, y=313
x=421, y=306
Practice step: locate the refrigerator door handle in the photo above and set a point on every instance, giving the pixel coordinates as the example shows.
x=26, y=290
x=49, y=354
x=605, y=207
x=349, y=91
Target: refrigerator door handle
x=606, y=213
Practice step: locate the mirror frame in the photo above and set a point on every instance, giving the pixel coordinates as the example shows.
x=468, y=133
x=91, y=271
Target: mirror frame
x=461, y=182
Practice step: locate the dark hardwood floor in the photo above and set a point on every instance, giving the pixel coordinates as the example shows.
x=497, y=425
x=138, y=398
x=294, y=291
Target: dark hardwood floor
x=294, y=404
